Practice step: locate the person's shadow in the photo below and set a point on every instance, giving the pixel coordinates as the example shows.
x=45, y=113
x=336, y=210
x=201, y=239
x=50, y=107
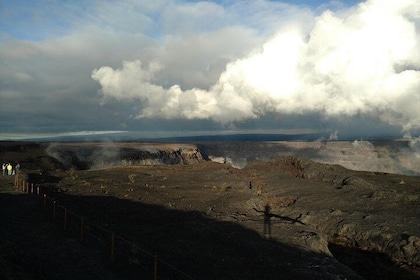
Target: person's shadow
x=267, y=222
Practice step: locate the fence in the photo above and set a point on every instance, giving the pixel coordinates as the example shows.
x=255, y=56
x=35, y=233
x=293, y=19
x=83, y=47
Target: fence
x=122, y=252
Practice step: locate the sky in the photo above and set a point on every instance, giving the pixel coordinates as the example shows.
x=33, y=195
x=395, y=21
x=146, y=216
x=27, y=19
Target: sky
x=348, y=69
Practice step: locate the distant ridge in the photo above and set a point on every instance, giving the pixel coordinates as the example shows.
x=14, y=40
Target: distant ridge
x=242, y=137
x=190, y=138
x=248, y=137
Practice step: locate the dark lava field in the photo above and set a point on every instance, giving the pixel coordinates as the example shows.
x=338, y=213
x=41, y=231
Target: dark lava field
x=276, y=217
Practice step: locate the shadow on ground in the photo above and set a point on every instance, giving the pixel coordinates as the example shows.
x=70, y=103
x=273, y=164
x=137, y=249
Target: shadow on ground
x=34, y=244
x=189, y=245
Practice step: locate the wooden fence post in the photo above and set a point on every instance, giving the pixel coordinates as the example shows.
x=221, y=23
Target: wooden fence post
x=65, y=218
x=155, y=267
x=112, y=246
x=81, y=229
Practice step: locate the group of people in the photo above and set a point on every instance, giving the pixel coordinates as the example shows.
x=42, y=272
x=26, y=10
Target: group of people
x=9, y=170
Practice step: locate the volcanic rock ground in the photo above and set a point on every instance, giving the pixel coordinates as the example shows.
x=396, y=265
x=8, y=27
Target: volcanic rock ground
x=288, y=218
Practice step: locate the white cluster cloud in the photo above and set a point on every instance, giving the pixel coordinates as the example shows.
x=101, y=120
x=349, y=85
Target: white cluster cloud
x=361, y=60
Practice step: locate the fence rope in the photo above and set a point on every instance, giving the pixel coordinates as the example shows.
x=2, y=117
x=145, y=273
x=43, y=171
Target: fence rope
x=85, y=223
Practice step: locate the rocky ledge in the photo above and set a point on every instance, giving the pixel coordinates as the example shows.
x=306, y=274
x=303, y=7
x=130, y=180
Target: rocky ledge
x=374, y=213
x=84, y=156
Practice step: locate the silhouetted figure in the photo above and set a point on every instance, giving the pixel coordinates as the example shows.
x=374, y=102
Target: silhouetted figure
x=250, y=185
x=267, y=222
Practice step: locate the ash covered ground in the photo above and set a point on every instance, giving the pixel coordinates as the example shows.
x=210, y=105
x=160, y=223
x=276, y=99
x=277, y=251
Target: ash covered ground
x=280, y=215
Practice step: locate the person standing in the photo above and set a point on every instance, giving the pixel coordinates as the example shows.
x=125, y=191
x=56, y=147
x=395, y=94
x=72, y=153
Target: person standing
x=9, y=169
x=17, y=167
x=3, y=167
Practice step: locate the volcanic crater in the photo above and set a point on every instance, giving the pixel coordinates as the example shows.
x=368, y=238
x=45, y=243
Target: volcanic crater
x=286, y=218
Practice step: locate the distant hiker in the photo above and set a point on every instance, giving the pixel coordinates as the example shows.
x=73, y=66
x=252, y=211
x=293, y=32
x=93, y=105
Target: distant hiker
x=3, y=167
x=9, y=169
x=17, y=167
x=250, y=185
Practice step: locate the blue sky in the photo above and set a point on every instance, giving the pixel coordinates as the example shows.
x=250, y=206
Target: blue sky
x=38, y=20
x=174, y=67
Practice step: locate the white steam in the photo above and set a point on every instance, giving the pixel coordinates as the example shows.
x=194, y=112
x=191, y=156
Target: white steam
x=398, y=157
x=364, y=60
